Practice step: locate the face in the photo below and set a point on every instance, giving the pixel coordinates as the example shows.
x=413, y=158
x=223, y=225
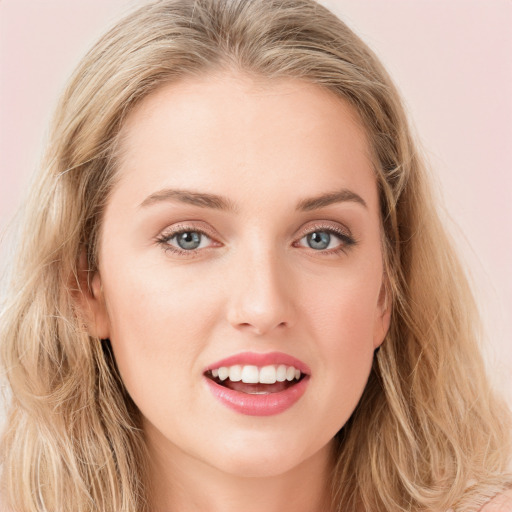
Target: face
x=242, y=239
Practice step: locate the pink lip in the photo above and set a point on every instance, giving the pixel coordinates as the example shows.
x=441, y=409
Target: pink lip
x=261, y=359
x=259, y=405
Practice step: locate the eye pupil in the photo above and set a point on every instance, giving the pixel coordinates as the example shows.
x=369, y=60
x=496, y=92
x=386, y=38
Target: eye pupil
x=319, y=240
x=189, y=240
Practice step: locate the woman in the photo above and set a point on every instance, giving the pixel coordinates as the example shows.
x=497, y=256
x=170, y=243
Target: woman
x=233, y=290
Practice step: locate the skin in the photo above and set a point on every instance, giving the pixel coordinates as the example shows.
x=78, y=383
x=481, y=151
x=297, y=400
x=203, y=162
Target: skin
x=255, y=284
x=502, y=503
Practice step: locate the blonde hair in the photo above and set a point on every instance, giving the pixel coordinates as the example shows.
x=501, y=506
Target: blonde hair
x=428, y=433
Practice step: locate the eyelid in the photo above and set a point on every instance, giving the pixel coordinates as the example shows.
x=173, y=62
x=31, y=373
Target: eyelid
x=343, y=232
x=172, y=231
x=180, y=227
x=345, y=237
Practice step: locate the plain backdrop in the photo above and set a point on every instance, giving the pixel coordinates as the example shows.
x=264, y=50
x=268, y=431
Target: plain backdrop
x=451, y=60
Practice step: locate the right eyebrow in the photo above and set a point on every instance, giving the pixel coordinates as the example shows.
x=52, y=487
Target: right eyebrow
x=200, y=199
x=324, y=200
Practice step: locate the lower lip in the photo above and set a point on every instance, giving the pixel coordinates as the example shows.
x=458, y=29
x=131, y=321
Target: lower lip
x=258, y=405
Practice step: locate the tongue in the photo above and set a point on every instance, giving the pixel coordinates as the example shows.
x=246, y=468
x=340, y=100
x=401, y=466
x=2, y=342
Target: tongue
x=257, y=388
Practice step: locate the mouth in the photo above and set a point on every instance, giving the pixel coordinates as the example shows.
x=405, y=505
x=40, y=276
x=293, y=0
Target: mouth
x=258, y=384
x=254, y=380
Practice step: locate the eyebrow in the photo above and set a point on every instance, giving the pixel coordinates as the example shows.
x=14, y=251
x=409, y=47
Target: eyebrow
x=200, y=199
x=323, y=200
x=216, y=202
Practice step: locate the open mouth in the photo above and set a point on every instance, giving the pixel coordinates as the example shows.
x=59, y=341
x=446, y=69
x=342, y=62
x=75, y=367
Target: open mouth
x=258, y=384
x=256, y=380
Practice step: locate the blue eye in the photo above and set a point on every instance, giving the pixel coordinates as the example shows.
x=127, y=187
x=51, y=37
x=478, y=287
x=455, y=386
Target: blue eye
x=319, y=240
x=185, y=241
x=328, y=240
x=188, y=240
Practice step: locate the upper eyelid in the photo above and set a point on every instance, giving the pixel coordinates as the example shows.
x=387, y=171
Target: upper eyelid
x=178, y=228
x=169, y=234
x=330, y=226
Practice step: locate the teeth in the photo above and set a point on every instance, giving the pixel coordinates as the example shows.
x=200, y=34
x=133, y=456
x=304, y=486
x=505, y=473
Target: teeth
x=268, y=375
x=250, y=374
x=223, y=373
x=281, y=373
x=235, y=373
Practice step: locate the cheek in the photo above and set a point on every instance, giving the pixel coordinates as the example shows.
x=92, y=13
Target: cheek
x=343, y=311
x=342, y=317
x=159, y=326
x=153, y=300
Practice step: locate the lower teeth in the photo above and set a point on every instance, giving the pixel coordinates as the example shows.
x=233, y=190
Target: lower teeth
x=257, y=388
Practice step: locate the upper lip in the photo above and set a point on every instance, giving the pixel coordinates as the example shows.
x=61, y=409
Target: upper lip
x=261, y=359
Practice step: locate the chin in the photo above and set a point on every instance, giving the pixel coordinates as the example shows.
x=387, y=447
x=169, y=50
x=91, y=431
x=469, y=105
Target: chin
x=258, y=466
x=266, y=458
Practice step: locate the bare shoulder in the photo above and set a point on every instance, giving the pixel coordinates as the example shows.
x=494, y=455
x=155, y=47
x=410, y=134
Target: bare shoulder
x=502, y=503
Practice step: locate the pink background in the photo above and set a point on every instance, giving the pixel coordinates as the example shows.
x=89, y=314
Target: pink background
x=451, y=60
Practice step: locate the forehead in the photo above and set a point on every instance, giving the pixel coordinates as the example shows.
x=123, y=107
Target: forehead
x=217, y=130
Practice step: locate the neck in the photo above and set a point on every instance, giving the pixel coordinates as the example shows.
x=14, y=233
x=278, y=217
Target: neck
x=186, y=484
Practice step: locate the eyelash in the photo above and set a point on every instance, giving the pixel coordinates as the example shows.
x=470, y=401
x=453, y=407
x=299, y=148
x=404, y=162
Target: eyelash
x=165, y=238
x=347, y=241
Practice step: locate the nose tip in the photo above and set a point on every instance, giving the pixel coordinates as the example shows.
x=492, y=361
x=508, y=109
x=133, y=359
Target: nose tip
x=261, y=301
x=257, y=326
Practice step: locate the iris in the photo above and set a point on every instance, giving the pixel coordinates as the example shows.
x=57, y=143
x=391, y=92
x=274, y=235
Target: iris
x=189, y=240
x=319, y=240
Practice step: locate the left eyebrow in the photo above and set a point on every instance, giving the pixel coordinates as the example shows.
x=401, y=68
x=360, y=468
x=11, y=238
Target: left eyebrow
x=323, y=200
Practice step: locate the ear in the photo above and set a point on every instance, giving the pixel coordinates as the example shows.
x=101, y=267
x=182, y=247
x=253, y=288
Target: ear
x=383, y=314
x=91, y=301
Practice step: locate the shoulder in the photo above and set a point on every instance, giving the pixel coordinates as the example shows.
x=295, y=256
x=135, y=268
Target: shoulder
x=501, y=503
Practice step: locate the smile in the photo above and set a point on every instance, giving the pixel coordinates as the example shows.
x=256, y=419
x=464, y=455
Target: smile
x=253, y=380
x=260, y=388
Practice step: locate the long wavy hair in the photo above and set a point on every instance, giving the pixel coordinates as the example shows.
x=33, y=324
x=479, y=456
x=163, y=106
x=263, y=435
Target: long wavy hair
x=428, y=433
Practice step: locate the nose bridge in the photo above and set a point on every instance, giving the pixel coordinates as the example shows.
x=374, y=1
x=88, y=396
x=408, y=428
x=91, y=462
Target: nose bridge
x=260, y=298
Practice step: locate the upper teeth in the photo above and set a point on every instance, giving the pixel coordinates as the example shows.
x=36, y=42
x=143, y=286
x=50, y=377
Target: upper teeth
x=254, y=375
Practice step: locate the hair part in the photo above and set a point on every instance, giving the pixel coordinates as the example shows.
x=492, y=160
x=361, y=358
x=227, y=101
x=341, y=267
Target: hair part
x=428, y=433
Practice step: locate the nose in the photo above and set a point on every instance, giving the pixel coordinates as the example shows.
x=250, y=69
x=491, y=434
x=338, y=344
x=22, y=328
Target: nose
x=260, y=299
